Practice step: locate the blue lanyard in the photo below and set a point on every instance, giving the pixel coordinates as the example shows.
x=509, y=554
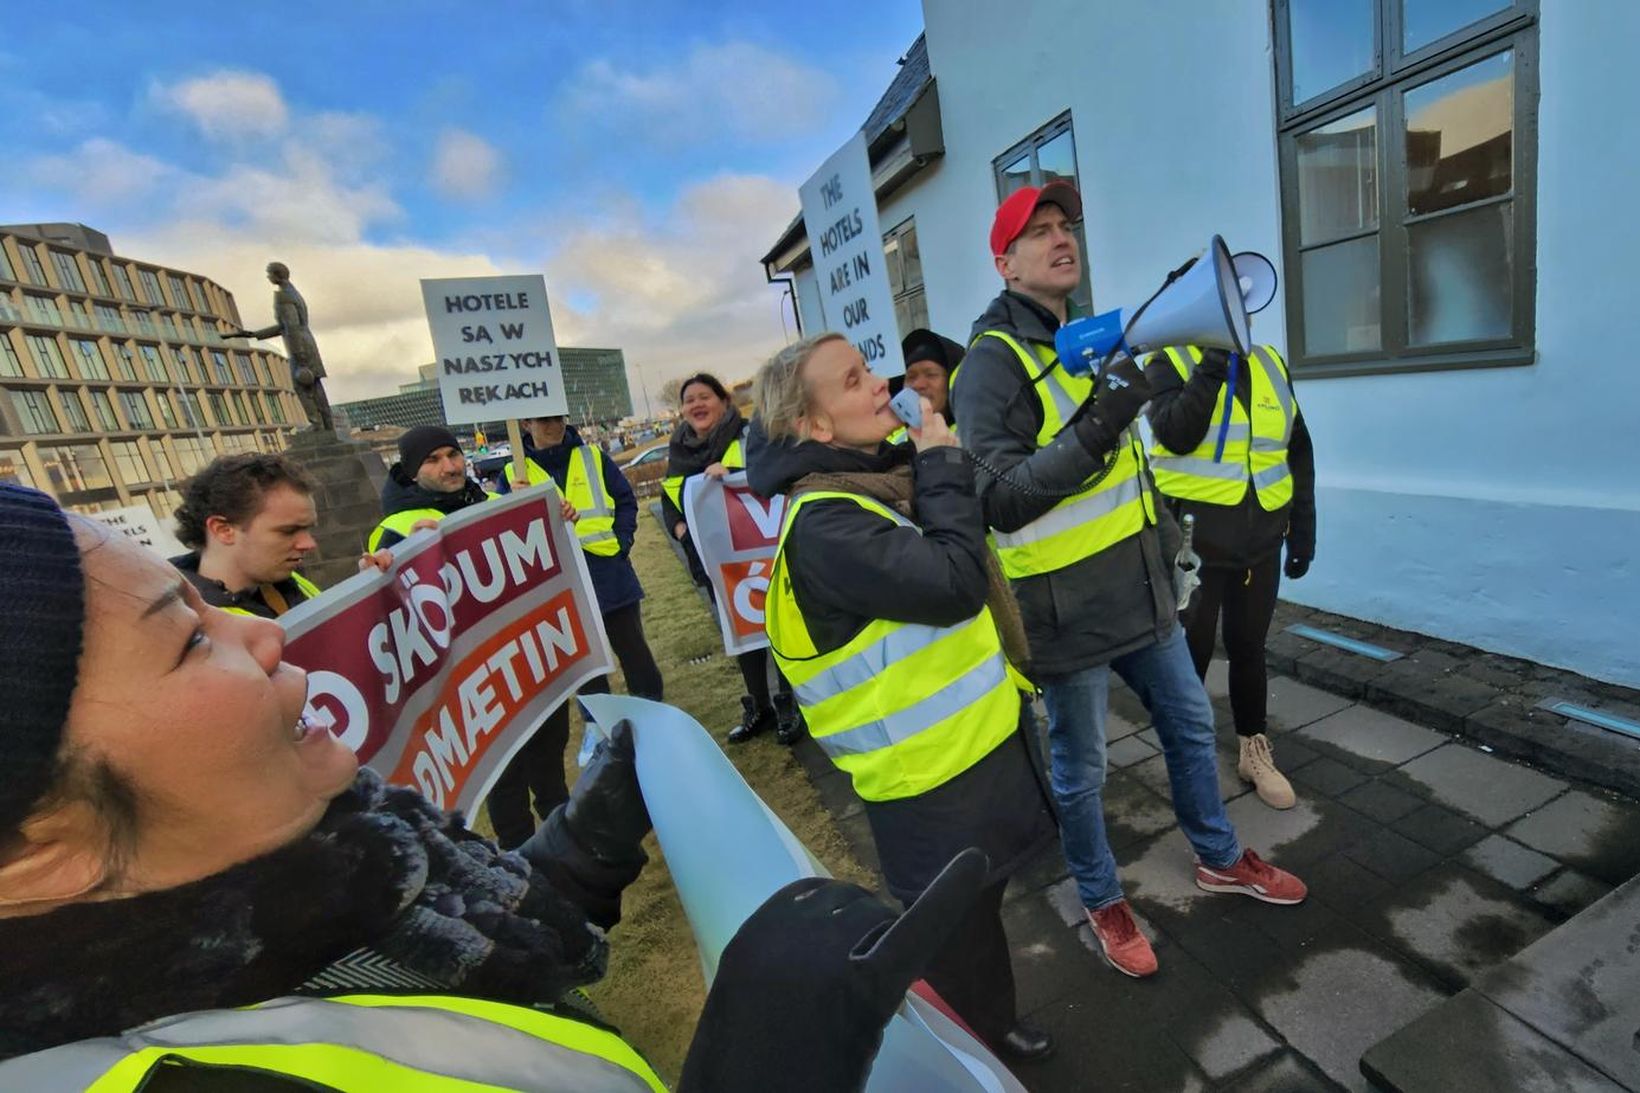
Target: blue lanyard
x=1229, y=407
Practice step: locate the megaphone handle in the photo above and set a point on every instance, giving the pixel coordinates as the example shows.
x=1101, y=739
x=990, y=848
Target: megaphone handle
x=1229, y=406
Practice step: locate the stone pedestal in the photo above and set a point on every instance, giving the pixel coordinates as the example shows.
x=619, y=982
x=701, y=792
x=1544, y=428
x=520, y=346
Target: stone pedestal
x=350, y=477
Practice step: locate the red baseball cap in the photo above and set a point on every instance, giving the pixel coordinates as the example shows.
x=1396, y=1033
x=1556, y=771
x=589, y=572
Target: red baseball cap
x=1014, y=213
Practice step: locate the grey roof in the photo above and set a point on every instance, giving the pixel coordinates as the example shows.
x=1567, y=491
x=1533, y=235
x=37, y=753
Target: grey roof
x=903, y=90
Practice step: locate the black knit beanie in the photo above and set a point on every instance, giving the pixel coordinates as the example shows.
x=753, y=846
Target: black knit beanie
x=42, y=619
x=421, y=442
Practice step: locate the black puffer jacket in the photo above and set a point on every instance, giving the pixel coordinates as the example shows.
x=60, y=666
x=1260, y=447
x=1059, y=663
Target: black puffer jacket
x=401, y=492
x=850, y=566
x=1103, y=606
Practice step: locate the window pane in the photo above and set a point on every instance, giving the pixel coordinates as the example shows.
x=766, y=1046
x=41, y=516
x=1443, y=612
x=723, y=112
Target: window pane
x=1338, y=178
x=1013, y=176
x=1461, y=280
x=1460, y=136
x=896, y=265
x=80, y=467
x=1341, y=297
x=6, y=273
x=1331, y=43
x=14, y=470
x=912, y=257
x=1057, y=160
x=74, y=411
x=1423, y=21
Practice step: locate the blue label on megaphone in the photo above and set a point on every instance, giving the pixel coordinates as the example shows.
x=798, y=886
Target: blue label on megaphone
x=1083, y=343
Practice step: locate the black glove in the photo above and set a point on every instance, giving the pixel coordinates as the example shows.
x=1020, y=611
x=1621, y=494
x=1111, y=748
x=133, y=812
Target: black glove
x=1121, y=394
x=1215, y=364
x=605, y=812
x=1297, y=564
x=807, y=985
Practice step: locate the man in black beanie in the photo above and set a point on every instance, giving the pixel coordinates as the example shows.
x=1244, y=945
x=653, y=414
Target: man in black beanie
x=428, y=483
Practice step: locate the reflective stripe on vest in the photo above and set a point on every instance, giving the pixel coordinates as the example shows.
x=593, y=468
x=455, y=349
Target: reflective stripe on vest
x=410, y=1043
x=308, y=589
x=900, y=707
x=672, y=485
x=1255, y=447
x=400, y=522
x=1086, y=523
x=583, y=488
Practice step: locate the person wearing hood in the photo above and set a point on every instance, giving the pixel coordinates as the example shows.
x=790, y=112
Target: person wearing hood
x=200, y=890
x=930, y=361
x=1089, y=553
x=708, y=441
x=886, y=615
x=428, y=483
x=607, y=512
x=249, y=519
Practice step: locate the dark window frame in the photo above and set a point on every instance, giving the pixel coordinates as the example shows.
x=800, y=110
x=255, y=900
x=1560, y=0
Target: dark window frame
x=1383, y=87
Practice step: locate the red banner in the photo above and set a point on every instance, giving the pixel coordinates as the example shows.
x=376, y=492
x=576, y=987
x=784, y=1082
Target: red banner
x=437, y=671
x=735, y=532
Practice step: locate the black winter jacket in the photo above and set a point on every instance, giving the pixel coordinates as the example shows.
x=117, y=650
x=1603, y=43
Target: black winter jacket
x=1243, y=535
x=849, y=566
x=401, y=492
x=1103, y=606
x=216, y=593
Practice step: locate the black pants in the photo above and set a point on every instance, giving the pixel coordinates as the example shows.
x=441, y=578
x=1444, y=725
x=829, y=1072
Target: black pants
x=754, y=670
x=1247, y=600
x=973, y=972
x=624, y=625
x=537, y=768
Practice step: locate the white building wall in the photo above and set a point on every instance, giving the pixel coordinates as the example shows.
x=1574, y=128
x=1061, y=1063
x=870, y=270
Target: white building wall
x=1490, y=507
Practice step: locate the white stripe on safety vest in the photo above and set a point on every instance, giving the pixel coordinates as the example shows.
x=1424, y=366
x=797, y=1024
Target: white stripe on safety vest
x=1238, y=430
x=898, y=727
x=1270, y=476
x=595, y=482
x=1063, y=517
x=1278, y=382
x=866, y=664
x=1200, y=467
x=437, y=1042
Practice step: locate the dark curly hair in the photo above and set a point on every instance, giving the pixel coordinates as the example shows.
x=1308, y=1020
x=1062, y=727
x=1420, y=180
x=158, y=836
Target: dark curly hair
x=232, y=487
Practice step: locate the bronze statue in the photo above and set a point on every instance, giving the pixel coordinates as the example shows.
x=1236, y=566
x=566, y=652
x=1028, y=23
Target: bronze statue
x=290, y=316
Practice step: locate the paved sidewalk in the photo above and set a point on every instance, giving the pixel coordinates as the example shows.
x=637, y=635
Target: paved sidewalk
x=1428, y=861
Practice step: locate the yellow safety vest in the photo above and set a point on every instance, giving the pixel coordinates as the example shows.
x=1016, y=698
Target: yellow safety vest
x=308, y=589
x=1088, y=522
x=903, y=435
x=402, y=522
x=1255, y=449
x=673, y=484
x=583, y=488
x=901, y=707
x=363, y=1042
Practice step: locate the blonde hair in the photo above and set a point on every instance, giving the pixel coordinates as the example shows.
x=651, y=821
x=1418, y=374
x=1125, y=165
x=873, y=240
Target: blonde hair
x=782, y=396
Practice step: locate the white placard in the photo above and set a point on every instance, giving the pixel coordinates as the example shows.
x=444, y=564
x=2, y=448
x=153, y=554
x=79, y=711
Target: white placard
x=846, y=244
x=493, y=348
x=139, y=524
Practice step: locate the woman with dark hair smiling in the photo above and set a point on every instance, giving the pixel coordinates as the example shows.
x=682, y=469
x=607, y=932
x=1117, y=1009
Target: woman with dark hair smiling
x=709, y=441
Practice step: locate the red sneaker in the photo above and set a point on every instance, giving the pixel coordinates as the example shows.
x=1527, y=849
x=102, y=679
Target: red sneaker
x=1251, y=875
x=1119, y=937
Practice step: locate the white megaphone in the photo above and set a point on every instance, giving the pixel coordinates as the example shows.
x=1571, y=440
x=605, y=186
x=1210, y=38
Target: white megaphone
x=1256, y=280
x=1204, y=306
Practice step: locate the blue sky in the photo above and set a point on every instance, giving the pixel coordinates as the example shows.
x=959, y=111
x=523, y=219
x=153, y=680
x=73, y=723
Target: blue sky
x=642, y=155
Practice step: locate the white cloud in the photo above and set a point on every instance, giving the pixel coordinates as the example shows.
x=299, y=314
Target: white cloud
x=229, y=104
x=736, y=89
x=466, y=167
x=100, y=172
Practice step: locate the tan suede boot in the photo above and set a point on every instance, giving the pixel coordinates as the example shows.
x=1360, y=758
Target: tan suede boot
x=1258, y=766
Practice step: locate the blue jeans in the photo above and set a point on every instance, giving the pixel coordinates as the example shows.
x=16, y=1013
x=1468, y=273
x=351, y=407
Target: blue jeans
x=1164, y=678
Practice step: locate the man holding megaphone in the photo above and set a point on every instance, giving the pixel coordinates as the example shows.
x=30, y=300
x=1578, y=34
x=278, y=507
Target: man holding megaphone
x=1077, y=527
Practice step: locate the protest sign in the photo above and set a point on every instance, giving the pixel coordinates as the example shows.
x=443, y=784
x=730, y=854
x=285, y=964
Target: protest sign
x=139, y=524
x=494, y=349
x=846, y=244
x=735, y=532
x=436, y=672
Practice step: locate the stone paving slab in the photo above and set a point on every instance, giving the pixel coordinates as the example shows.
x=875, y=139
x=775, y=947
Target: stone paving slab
x=1509, y=862
x=1285, y=1073
x=1489, y=789
x=1128, y=751
x=1153, y=774
x=1456, y=923
x=1440, y=829
x=1294, y=705
x=1598, y=836
x=1569, y=891
x=1371, y=741
x=1470, y=1045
